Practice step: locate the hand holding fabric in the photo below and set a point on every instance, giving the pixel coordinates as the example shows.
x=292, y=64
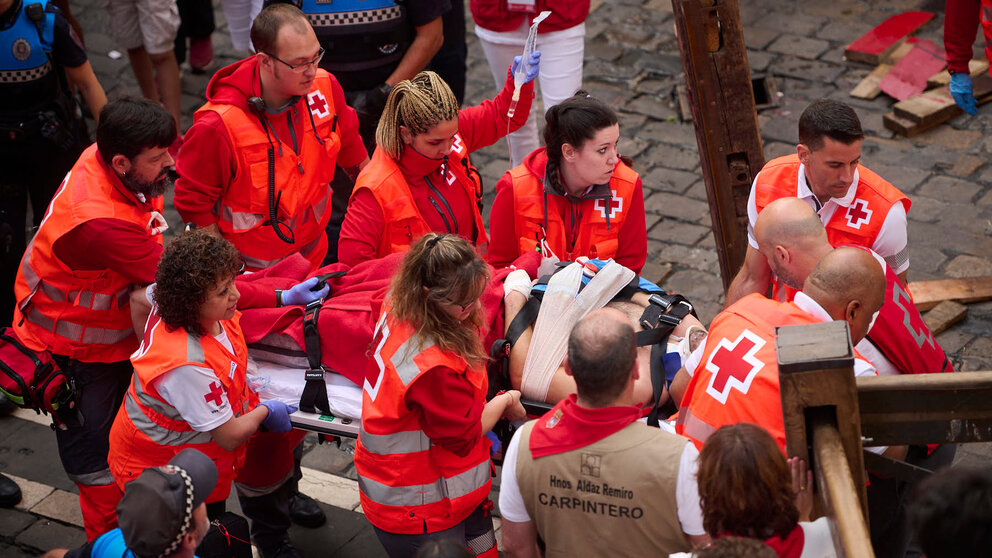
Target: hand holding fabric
x=963, y=93
x=303, y=293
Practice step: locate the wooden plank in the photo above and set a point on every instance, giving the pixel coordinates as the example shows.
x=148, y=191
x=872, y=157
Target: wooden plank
x=908, y=77
x=816, y=371
x=931, y=108
x=718, y=83
x=976, y=68
x=927, y=294
x=868, y=87
x=904, y=126
x=873, y=46
x=840, y=493
x=944, y=315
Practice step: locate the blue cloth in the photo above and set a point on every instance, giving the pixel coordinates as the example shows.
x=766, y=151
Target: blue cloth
x=642, y=284
x=23, y=46
x=108, y=545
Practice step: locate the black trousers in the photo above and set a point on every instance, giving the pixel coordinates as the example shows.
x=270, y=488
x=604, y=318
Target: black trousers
x=196, y=21
x=476, y=532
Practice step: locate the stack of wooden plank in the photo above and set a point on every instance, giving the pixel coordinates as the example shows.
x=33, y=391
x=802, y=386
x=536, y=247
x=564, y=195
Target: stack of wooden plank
x=944, y=300
x=912, y=71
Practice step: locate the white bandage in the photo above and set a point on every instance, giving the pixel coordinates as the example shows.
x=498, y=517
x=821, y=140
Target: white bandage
x=157, y=224
x=517, y=281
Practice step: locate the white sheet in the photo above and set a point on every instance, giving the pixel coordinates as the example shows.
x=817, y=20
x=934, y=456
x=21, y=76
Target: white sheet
x=276, y=381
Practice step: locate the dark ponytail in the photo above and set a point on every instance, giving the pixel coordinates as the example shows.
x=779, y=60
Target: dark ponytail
x=573, y=121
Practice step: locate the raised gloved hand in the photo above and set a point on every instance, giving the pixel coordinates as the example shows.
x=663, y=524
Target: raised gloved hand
x=278, y=419
x=964, y=93
x=518, y=281
x=303, y=293
x=533, y=70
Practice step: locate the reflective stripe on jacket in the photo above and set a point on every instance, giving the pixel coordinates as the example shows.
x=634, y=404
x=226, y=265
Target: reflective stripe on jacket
x=302, y=181
x=407, y=484
x=148, y=431
x=82, y=314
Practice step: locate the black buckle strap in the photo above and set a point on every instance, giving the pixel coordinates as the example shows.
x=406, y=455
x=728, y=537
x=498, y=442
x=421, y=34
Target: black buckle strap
x=314, y=395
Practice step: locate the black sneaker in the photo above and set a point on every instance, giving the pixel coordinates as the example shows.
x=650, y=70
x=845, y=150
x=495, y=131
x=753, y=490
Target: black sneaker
x=305, y=512
x=10, y=493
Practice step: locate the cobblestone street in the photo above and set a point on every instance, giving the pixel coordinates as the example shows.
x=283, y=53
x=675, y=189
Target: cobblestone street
x=632, y=62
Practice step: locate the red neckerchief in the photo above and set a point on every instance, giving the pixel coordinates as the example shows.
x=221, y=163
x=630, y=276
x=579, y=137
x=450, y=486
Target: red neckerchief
x=791, y=546
x=569, y=426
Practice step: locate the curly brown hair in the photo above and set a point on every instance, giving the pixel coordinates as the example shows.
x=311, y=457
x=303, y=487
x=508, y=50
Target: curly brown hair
x=745, y=486
x=448, y=269
x=191, y=266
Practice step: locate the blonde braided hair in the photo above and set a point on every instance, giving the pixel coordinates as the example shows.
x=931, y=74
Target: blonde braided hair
x=419, y=104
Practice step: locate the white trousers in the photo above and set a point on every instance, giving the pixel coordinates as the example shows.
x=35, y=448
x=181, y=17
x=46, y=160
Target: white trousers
x=560, y=77
x=239, y=15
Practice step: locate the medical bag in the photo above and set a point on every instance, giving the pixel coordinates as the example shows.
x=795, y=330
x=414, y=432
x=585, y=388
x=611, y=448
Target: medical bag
x=32, y=379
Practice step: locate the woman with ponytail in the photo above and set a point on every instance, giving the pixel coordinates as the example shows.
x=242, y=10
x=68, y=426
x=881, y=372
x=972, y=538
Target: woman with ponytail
x=422, y=455
x=574, y=197
x=420, y=178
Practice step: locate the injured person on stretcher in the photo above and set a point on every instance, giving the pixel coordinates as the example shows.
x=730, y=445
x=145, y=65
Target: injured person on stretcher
x=344, y=325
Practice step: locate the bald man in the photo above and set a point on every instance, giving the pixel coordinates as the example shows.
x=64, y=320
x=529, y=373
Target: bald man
x=792, y=240
x=733, y=377
x=855, y=205
x=589, y=467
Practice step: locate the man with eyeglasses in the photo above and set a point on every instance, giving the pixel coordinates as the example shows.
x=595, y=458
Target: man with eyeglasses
x=257, y=163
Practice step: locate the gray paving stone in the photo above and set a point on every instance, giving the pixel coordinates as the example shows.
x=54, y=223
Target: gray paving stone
x=699, y=287
x=671, y=156
x=953, y=340
x=813, y=70
x=13, y=522
x=927, y=210
x=903, y=177
x=803, y=47
x=698, y=191
x=669, y=131
x=775, y=149
x=45, y=535
x=8, y=551
x=687, y=257
x=757, y=38
x=601, y=50
x=786, y=18
x=924, y=259
x=673, y=231
x=968, y=266
x=759, y=60
x=842, y=30
x=28, y=450
x=675, y=206
x=946, y=188
x=668, y=180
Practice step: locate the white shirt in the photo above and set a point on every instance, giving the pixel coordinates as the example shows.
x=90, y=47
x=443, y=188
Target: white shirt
x=892, y=238
x=511, y=502
x=196, y=393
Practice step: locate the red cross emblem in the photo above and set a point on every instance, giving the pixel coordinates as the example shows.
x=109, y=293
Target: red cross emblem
x=858, y=214
x=318, y=104
x=616, y=206
x=216, y=390
x=734, y=365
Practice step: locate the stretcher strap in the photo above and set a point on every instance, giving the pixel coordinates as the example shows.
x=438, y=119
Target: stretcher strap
x=314, y=395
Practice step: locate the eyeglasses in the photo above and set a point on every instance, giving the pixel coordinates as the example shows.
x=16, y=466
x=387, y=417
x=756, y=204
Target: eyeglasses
x=301, y=67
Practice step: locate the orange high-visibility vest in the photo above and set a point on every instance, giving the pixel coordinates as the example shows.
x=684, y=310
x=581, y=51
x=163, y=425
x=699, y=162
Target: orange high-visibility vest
x=407, y=484
x=404, y=224
x=859, y=224
x=148, y=432
x=987, y=26
x=82, y=314
x=737, y=378
x=602, y=219
x=302, y=181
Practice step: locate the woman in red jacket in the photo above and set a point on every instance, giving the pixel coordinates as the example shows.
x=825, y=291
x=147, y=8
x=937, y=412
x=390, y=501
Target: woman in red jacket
x=574, y=197
x=420, y=179
x=422, y=455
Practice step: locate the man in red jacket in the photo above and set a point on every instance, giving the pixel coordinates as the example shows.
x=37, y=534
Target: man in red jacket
x=257, y=163
x=960, y=24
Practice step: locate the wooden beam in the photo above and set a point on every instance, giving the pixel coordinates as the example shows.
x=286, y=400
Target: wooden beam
x=718, y=83
x=873, y=46
x=976, y=68
x=839, y=492
x=816, y=376
x=943, y=316
x=925, y=408
x=868, y=87
x=927, y=294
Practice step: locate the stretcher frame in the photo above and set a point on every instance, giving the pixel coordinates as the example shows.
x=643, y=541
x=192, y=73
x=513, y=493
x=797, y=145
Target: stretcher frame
x=829, y=414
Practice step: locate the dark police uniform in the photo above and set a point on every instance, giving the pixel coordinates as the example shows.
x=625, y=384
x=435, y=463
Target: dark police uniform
x=41, y=134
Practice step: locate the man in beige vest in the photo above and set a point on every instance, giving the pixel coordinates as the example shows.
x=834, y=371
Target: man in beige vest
x=588, y=476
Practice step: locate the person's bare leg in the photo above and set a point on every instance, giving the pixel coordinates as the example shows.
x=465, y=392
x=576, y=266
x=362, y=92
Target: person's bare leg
x=167, y=79
x=141, y=64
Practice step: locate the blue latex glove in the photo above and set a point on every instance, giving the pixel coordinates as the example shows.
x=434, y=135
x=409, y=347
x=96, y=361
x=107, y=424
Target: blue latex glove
x=533, y=70
x=301, y=293
x=964, y=93
x=278, y=419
